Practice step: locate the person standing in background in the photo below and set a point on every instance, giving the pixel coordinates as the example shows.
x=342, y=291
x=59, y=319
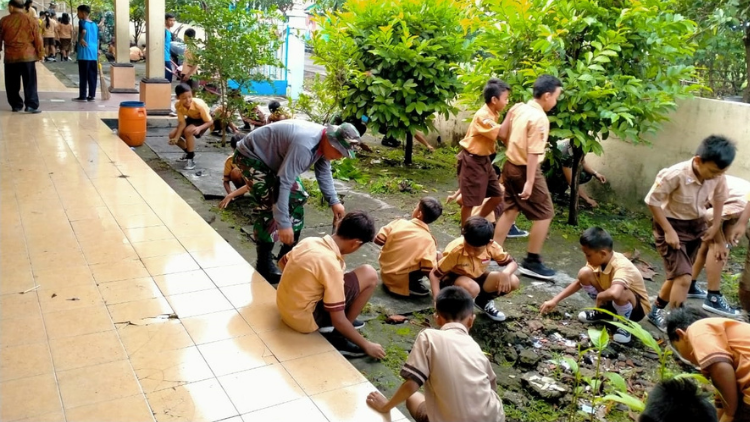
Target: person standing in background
x=64, y=33
x=88, y=49
x=31, y=10
x=23, y=47
x=168, y=24
x=48, y=33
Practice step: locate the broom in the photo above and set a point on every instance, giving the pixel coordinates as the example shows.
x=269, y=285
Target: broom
x=103, y=83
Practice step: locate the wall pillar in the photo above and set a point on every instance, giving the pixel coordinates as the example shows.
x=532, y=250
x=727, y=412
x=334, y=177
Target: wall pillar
x=296, y=49
x=156, y=91
x=122, y=72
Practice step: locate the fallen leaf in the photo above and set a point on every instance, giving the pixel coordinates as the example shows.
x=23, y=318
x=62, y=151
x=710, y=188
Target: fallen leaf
x=396, y=319
x=646, y=270
x=54, y=295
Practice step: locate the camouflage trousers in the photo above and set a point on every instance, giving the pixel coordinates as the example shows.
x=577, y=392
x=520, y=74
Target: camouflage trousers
x=264, y=191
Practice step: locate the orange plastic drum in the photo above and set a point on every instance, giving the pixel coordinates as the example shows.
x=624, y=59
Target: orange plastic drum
x=132, y=123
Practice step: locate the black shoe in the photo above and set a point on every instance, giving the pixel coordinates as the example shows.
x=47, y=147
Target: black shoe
x=390, y=142
x=358, y=325
x=416, y=288
x=696, y=292
x=89, y=99
x=536, y=269
x=344, y=346
x=79, y=99
x=33, y=110
x=265, y=265
x=16, y=110
x=592, y=316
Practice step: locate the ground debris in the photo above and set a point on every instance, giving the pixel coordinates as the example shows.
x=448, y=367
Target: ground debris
x=545, y=387
x=396, y=319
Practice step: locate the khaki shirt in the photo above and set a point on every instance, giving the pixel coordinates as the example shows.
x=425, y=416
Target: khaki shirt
x=312, y=271
x=481, y=137
x=408, y=246
x=737, y=192
x=681, y=195
x=717, y=340
x=49, y=32
x=459, y=383
x=198, y=110
x=457, y=260
x=228, y=167
x=529, y=131
x=621, y=270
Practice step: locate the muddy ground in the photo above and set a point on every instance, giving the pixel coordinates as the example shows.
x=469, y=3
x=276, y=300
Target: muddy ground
x=524, y=345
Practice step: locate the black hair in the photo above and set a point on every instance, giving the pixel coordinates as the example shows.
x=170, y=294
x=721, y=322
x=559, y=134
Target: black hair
x=236, y=138
x=17, y=4
x=169, y=16
x=357, y=225
x=597, y=238
x=677, y=400
x=46, y=21
x=181, y=89
x=477, y=231
x=273, y=106
x=26, y=5
x=717, y=149
x=431, y=209
x=65, y=19
x=545, y=84
x=85, y=9
x=338, y=120
x=494, y=88
x=681, y=319
x=453, y=303
x=189, y=33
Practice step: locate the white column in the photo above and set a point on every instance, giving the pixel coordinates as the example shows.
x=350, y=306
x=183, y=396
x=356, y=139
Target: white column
x=155, y=10
x=122, y=31
x=296, y=49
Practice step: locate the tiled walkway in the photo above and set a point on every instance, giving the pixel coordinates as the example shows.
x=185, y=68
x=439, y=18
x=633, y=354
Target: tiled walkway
x=119, y=303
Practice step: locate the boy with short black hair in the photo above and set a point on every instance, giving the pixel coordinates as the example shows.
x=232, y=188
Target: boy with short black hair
x=677, y=400
x=610, y=279
x=169, y=20
x=315, y=294
x=721, y=348
x=87, y=55
x=525, y=187
x=409, y=250
x=232, y=173
x=464, y=264
x=278, y=112
x=193, y=120
x=678, y=201
x=459, y=383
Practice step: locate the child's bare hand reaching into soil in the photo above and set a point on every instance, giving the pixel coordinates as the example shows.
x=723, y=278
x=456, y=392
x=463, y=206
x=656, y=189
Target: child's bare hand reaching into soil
x=547, y=307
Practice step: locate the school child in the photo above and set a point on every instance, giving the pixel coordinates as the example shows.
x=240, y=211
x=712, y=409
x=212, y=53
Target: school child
x=278, y=112
x=677, y=201
x=193, y=119
x=525, y=186
x=315, y=294
x=721, y=348
x=252, y=116
x=675, y=400
x=409, y=250
x=87, y=55
x=476, y=178
x=459, y=383
x=736, y=232
x=714, y=301
x=232, y=173
x=464, y=264
x=610, y=279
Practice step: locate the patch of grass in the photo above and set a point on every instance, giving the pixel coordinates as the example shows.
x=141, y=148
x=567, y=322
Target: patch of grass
x=615, y=219
x=316, y=196
x=536, y=411
x=395, y=357
x=730, y=286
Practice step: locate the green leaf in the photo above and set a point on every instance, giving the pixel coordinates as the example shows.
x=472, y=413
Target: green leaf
x=617, y=381
x=633, y=403
x=586, y=77
x=599, y=338
x=700, y=379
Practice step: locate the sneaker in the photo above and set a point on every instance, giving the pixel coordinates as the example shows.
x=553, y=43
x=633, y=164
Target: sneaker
x=89, y=99
x=592, y=316
x=345, y=347
x=516, y=233
x=621, y=336
x=536, y=269
x=696, y=292
x=718, y=304
x=33, y=110
x=358, y=325
x=418, y=289
x=658, y=317
x=79, y=99
x=182, y=158
x=16, y=110
x=189, y=164
x=492, y=312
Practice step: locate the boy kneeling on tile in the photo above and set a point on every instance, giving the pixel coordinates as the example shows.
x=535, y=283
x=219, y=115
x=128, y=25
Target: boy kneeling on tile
x=610, y=279
x=459, y=383
x=315, y=294
x=464, y=264
x=409, y=250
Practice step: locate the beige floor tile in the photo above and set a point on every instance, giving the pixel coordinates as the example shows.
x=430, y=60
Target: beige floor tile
x=77, y=322
x=16, y=280
x=287, y=412
x=116, y=271
x=262, y=316
x=171, y=368
x=128, y=409
x=187, y=282
x=19, y=305
x=154, y=338
x=287, y=344
x=170, y=264
x=199, y=243
x=203, y=401
x=260, y=388
x=130, y=210
x=349, y=405
x=56, y=416
x=18, y=331
x=111, y=253
x=221, y=257
x=162, y=247
x=139, y=221
x=23, y=361
x=74, y=276
x=234, y=274
x=87, y=213
x=242, y=295
x=29, y=397
x=138, y=310
x=96, y=384
x=338, y=372
x=236, y=354
x=216, y=326
x=199, y=303
x=65, y=298
x=129, y=290
x=146, y=234
x=86, y=350
x=58, y=260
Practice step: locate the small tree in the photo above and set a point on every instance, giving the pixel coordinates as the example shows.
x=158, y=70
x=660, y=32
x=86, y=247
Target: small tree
x=238, y=44
x=400, y=61
x=619, y=61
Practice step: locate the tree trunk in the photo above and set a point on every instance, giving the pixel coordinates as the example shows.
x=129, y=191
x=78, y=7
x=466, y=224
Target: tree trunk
x=408, y=148
x=575, y=177
x=746, y=39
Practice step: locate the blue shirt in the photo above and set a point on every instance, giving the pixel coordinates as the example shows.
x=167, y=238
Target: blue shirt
x=167, y=42
x=90, y=52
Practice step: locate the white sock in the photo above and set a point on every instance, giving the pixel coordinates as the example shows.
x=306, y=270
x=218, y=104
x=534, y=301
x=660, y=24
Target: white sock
x=623, y=310
x=590, y=290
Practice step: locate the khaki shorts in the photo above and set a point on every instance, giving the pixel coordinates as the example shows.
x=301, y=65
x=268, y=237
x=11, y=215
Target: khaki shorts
x=678, y=262
x=539, y=205
x=477, y=179
x=351, y=291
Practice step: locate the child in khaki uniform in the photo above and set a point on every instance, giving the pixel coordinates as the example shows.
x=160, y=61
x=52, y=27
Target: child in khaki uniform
x=677, y=201
x=721, y=348
x=525, y=186
x=610, y=279
x=459, y=383
x=409, y=250
x=232, y=173
x=464, y=264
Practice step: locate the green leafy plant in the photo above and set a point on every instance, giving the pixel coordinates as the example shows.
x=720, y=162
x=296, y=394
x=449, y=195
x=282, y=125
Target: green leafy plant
x=348, y=169
x=321, y=103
